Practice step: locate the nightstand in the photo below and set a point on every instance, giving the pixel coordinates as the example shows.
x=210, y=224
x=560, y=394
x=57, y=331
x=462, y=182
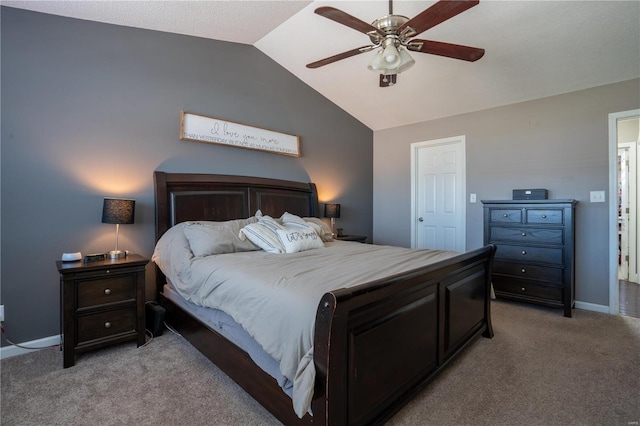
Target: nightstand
x=102, y=304
x=358, y=238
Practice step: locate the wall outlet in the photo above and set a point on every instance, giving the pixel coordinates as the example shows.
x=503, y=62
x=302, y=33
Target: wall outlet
x=1, y=313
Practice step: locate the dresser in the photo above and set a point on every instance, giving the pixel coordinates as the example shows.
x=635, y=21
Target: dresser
x=535, y=258
x=102, y=304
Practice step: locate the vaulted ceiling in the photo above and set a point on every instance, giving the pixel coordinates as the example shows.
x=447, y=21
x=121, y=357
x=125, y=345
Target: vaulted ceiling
x=533, y=48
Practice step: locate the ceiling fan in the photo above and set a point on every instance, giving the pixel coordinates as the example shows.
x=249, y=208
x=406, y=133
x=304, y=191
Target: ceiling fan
x=392, y=34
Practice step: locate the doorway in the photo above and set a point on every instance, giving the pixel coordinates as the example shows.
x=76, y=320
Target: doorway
x=438, y=194
x=624, y=136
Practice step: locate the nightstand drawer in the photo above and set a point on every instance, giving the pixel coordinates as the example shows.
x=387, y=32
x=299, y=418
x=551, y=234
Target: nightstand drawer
x=105, y=324
x=553, y=216
x=526, y=235
x=525, y=288
x=540, y=273
x=506, y=215
x=530, y=254
x=116, y=288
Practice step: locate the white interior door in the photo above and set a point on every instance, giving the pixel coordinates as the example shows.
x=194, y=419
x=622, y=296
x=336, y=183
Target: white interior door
x=438, y=194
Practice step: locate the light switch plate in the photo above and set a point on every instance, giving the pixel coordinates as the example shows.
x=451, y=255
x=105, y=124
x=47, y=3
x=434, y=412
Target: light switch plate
x=472, y=198
x=597, y=196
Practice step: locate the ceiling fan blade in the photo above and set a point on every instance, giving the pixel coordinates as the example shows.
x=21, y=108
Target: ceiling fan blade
x=434, y=15
x=388, y=80
x=339, y=56
x=346, y=19
x=455, y=51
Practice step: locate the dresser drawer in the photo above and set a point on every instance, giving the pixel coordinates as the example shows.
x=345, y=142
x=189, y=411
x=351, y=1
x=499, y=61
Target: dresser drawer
x=551, y=216
x=506, y=215
x=115, y=288
x=540, y=273
x=526, y=235
x=106, y=323
x=519, y=253
x=505, y=286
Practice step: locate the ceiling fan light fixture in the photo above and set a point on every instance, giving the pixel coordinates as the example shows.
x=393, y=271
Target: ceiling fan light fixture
x=388, y=59
x=406, y=61
x=379, y=65
x=391, y=55
x=377, y=62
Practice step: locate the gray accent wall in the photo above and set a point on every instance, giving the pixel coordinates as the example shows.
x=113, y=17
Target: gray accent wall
x=92, y=110
x=559, y=143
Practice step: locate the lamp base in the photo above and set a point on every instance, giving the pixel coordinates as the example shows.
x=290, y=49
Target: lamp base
x=116, y=254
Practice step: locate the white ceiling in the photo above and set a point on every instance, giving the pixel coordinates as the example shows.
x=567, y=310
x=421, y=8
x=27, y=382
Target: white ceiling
x=533, y=48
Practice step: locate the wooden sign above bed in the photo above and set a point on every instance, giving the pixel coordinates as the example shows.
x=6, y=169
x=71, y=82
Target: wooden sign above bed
x=200, y=128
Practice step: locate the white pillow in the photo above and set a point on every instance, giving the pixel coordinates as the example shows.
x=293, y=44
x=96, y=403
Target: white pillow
x=209, y=238
x=299, y=239
x=264, y=234
x=288, y=218
x=325, y=232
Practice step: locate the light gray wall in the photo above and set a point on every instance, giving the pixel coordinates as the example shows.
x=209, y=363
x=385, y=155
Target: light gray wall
x=91, y=110
x=559, y=143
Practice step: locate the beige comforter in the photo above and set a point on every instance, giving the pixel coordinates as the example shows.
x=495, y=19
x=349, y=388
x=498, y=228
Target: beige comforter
x=275, y=296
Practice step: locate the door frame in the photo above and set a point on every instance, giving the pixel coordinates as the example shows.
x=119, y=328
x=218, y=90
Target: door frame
x=462, y=140
x=631, y=215
x=613, y=206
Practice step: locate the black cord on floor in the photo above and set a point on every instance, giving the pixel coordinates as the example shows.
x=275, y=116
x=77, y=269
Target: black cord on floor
x=4, y=335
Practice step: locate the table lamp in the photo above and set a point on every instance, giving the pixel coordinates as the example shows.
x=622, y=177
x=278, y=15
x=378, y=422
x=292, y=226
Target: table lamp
x=118, y=211
x=332, y=211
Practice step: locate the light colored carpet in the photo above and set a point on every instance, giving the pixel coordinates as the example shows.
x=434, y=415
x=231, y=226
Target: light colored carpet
x=539, y=369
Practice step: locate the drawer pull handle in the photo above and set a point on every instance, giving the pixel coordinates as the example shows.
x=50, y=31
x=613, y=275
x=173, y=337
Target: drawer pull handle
x=523, y=289
x=524, y=271
x=505, y=215
x=524, y=252
x=544, y=216
x=108, y=324
x=107, y=271
x=107, y=291
x=524, y=234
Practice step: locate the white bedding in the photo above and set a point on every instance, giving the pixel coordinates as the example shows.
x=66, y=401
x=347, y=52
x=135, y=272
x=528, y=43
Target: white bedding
x=275, y=296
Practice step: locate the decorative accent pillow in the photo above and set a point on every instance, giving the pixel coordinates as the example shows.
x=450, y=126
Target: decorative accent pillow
x=288, y=218
x=264, y=234
x=209, y=238
x=325, y=232
x=299, y=239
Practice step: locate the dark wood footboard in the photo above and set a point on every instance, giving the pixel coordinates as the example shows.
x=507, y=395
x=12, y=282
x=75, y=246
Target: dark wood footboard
x=378, y=344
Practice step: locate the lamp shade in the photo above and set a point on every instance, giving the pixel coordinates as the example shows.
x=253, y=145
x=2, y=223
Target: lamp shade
x=118, y=211
x=332, y=211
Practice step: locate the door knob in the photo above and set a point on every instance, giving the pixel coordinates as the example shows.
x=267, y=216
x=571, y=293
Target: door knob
x=420, y=219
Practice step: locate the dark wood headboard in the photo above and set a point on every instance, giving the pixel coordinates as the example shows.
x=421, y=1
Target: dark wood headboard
x=181, y=197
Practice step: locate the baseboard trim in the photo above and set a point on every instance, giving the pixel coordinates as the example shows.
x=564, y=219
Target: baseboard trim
x=45, y=342
x=592, y=307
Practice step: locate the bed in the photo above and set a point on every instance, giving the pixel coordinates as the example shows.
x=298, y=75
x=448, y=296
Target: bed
x=375, y=344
